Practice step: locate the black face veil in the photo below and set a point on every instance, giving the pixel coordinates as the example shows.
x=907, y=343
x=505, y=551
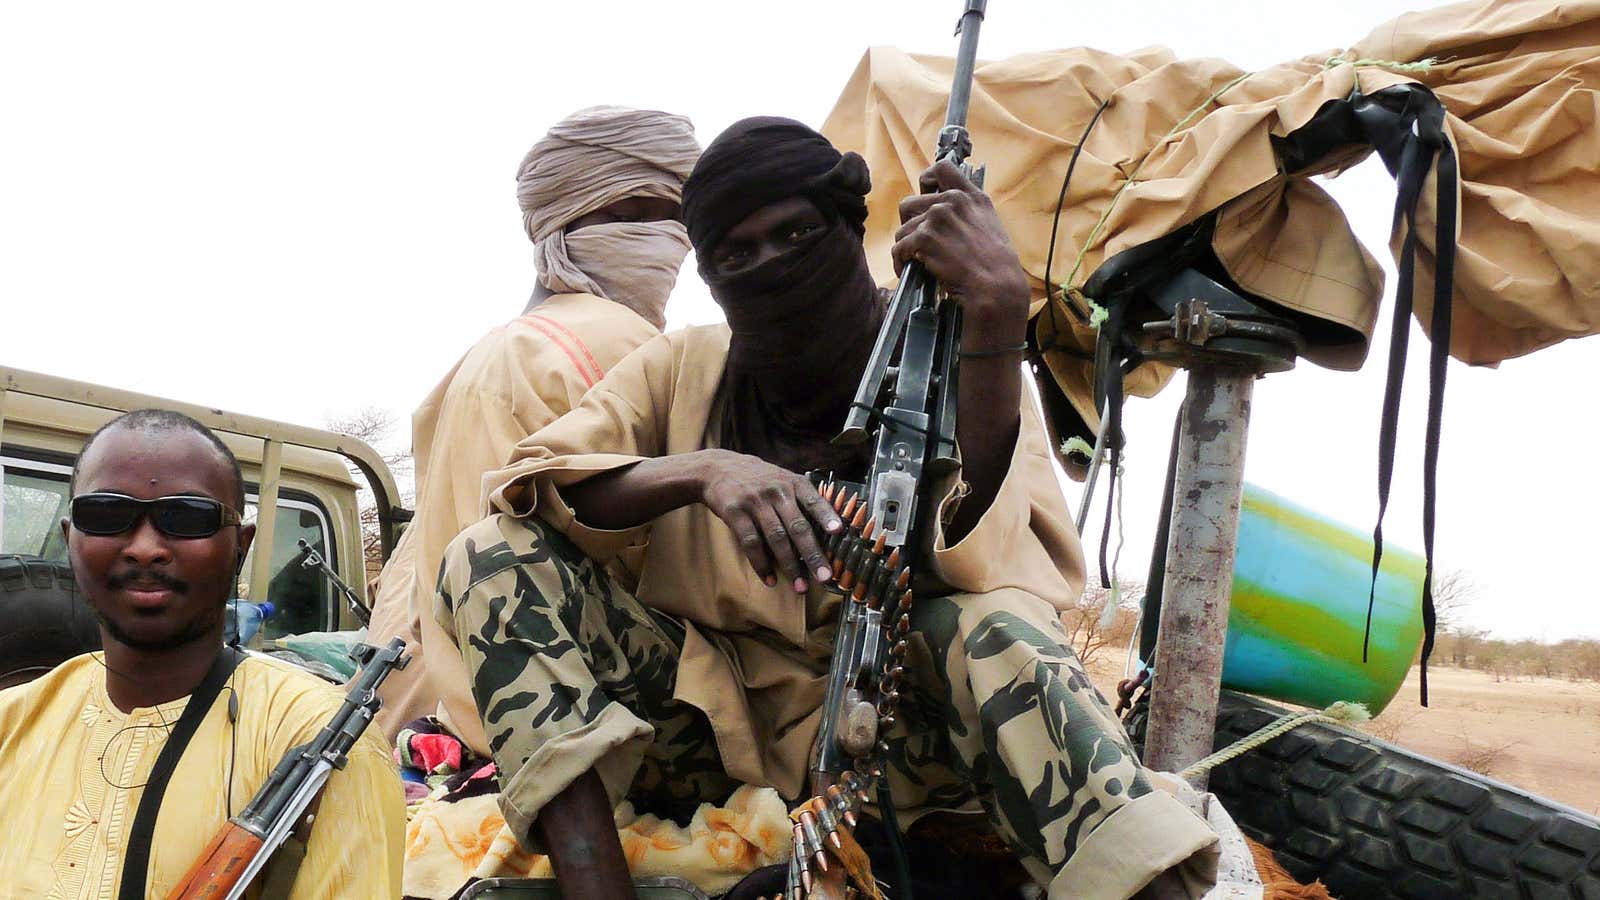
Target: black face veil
x=799, y=312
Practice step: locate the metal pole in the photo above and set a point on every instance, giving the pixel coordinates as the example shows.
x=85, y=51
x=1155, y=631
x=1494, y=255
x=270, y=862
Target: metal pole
x=1207, y=489
x=4, y=396
x=1094, y=468
x=266, y=518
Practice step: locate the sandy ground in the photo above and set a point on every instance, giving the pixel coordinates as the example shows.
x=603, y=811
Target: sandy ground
x=1540, y=734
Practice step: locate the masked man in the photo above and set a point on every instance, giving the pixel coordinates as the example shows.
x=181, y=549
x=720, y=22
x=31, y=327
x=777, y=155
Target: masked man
x=643, y=618
x=600, y=200
x=156, y=544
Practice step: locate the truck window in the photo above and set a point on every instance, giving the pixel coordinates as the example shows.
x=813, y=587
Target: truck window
x=34, y=497
x=303, y=597
x=32, y=503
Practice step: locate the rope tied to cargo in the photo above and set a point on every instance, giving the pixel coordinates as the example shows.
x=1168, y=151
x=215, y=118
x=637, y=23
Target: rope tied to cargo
x=1133, y=176
x=1343, y=712
x=1420, y=67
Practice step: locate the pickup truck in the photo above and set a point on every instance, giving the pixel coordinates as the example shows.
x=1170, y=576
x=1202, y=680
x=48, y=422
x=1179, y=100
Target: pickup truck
x=1369, y=818
x=301, y=485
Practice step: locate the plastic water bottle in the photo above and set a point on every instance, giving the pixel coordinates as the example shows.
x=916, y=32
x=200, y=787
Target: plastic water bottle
x=246, y=617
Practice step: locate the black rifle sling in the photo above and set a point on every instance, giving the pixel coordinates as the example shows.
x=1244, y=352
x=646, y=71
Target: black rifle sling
x=136, y=863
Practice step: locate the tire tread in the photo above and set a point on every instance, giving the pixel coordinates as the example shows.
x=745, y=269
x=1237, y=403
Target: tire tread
x=1372, y=820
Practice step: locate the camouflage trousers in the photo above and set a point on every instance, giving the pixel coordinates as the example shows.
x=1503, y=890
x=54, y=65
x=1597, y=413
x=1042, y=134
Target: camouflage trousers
x=566, y=665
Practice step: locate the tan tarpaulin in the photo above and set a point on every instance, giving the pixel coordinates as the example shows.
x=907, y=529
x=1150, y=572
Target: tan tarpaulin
x=1181, y=138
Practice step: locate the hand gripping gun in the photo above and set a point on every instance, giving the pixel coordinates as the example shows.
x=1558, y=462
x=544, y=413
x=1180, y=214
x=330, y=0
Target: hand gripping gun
x=909, y=410
x=247, y=841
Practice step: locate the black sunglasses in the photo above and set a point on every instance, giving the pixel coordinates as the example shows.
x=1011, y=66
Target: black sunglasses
x=105, y=513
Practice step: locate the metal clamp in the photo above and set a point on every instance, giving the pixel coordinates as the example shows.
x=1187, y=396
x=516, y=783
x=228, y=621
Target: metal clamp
x=1195, y=328
x=1195, y=323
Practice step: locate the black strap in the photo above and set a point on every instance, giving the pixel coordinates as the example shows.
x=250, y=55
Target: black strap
x=1410, y=137
x=1051, y=289
x=1121, y=356
x=1113, y=427
x=1155, y=581
x=1448, y=172
x=136, y=862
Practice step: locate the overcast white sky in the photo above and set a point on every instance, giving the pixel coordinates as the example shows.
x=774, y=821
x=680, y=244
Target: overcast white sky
x=298, y=209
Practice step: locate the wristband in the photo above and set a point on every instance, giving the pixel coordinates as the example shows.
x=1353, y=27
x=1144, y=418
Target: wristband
x=997, y=351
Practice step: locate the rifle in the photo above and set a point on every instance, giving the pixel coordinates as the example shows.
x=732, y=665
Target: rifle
x=311, y=559
x=241, y=849
x=910, y=411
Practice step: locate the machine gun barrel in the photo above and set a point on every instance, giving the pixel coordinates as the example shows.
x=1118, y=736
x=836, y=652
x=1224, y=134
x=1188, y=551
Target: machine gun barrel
x=966, y=61
x=915, y=283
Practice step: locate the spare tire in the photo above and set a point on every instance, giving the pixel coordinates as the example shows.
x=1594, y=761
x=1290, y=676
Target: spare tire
x=1373, y=820
x=46, y=621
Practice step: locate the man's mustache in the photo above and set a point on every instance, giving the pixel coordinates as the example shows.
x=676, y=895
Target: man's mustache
x=120, y=580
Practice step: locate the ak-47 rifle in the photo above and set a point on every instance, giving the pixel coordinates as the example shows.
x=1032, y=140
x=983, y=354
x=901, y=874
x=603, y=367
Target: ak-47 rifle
x=910, y=411
x=311, y=559
x=245, y=843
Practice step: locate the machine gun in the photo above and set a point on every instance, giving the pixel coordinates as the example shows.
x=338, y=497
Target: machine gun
x=241, y=849
x=910, y=411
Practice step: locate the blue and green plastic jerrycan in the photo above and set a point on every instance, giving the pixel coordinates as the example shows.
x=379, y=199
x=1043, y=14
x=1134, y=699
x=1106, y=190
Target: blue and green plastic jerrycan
x=1299, y=608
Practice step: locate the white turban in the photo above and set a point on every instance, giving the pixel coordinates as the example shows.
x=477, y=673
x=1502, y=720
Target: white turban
x=593, y=158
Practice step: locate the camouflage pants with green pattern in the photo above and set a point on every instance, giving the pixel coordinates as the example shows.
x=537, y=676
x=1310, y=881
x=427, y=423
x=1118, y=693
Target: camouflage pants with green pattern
x=998, y=711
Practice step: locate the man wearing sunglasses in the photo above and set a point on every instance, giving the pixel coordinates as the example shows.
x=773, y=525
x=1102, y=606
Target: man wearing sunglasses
x=156, y=543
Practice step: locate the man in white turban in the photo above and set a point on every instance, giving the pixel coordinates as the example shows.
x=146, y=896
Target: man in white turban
x=600, y=197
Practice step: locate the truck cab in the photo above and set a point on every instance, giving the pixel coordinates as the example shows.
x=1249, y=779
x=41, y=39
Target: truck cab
x=299, y=486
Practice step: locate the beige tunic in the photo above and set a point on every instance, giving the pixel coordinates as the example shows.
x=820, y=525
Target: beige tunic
x=77, y=766
x=762, y=702
x=515, y=380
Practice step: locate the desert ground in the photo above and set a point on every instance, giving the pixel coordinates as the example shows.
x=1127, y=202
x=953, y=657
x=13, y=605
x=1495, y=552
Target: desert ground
x=1540, y=734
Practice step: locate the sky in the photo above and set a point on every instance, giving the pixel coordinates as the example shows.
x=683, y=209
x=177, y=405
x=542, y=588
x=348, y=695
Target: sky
x=298, y=210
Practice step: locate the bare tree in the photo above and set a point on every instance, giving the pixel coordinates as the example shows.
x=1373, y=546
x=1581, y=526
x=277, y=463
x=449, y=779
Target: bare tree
x=1458, y=644
x=376, y=427
x=1091, y=629
x=1453, y=594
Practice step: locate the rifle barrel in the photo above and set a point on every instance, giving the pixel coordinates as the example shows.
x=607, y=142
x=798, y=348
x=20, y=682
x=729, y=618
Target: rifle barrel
x=966, y=61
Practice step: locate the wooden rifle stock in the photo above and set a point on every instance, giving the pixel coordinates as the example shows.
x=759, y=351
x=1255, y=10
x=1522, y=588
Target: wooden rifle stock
x=292, y=791
x=220, y=866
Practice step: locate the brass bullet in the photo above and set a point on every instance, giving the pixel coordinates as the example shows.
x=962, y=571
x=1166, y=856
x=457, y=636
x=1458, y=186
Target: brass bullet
x=800, y=860
x=808, y=826
x=829, y=824
x=868, y=584
x=859, y=521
